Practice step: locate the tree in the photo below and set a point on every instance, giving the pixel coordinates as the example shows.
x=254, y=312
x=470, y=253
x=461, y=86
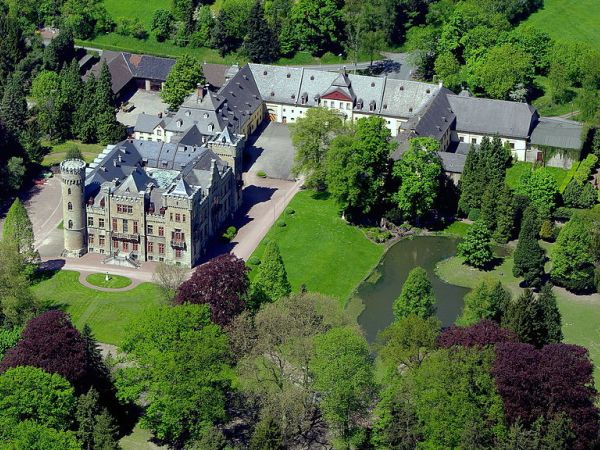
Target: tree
x=260, y=43
x=12, y=47
x=407, y=341
x=29, y=393
x=481, y=334
x=553, y=380
x=17, y=302
x=540, y=186
x=104, y=94
x=418, y=171
x=526, y=316
x=552, y=317
x=73, y=152
x=13, y=108
x=50, y=342
x=343, y=374
x=169, y=277
x=417, y=297
x=311, y=136
x=318, y=25
x=18, y=229
x=487, y=300
x=33, y=436
x=84, y=119
x=162, y=24
x=501, y=69
x=183, y=78
x=105, y=432
x=108, y=129
x=222, y=284
x=271, y=280
x=60, y=51
x=46, y=92
x=223, y=38
x=579, y=195
x=357, y=166
x=448, y=69
x=180, y=360
x=476, y=246
x=274, y=351
x=71, y=88
x=85, y=414
x=266, y=436
x=529, y=256
x=572, y=260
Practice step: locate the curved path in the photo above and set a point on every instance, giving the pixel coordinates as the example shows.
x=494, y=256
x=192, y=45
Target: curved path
x=83, y=280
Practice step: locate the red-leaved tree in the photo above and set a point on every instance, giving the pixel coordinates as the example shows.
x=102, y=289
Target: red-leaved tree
x=50, y=342
x=222, y=283
x=481, y=334
x=555, y=379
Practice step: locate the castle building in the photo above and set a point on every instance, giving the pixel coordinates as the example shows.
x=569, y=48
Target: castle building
x=165, y=192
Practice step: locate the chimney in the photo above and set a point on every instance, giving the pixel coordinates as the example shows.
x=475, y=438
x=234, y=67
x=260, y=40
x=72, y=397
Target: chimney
x=199, y=92
x=160, y=115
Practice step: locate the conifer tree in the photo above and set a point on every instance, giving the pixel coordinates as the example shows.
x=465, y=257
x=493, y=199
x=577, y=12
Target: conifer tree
x=85, y=414
x=272, y=279
x=552, y=316
x=505, y=214
x=71, y=88
x=267, y=435
x=261, y=42
x=13, y=108
x=18, y=229
x=529, y=256
x=417, y=297
x=526, y=316
x=485, y=301
x=104, y=93
x=84, y=122
x=223, y=39
x=469, y=182
x=105, y=432
x=476, y=246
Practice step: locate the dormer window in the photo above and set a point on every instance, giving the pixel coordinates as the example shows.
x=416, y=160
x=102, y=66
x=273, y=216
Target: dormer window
x=211, y=126
x=179, y=123
x=312, y=77
x=188, y=113
x=288, y=75
x=372, y=106
x=206, y=115
x=410, y=109
x=428, y=91
x=401, y=88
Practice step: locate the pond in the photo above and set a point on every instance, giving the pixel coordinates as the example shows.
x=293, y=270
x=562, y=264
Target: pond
x=384, y=285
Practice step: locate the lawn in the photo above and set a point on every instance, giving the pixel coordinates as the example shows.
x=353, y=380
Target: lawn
x=114, y=281
x=574, y=20
x=518, y=169
x=57, y=152
x=320, y=250
x=457, y=228
x=140, y=9
x=107, y=313
x=580, y=314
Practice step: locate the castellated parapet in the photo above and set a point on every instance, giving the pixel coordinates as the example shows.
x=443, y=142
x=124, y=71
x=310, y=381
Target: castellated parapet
x=74, y=215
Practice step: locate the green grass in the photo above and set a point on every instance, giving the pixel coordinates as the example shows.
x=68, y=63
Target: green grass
x=136, y=8
x=320, y=250
x=518, y=169
x=57, y=152
x=547, y=107
x=580, y=314
x=114, y=281
x=107, y=313
x=573, y=20
x=457, y=228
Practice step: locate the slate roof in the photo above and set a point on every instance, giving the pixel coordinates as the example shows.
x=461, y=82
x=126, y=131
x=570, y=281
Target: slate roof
x=437, y=116
x=402, y=98
x=489, y=117
x=556, y=132
x=214, y=74
x=146, y=123
x=277, y=84
x=452, y=162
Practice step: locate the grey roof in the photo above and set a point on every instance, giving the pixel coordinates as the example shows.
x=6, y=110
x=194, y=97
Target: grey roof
x=181, y=188
x=452, y=162
x=402, y=98
x=314, y=84
x=369, y=90
x=556, y=132
x=488, y=117
x=277, y=83
x=437, y=117
x=214, y=74
x=146, y=123
x=136, y=182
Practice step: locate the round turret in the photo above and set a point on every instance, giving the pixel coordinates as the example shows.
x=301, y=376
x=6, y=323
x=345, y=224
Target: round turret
x=74, y=216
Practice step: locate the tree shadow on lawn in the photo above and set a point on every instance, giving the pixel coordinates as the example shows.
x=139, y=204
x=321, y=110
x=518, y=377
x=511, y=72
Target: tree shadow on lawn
x=320, y=195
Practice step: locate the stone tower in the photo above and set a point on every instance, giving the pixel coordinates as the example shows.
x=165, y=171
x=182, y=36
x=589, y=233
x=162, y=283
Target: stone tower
x=74, y=220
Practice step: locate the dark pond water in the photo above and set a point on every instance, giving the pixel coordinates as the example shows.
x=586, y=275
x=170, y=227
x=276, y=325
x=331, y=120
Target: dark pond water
x=378, y=296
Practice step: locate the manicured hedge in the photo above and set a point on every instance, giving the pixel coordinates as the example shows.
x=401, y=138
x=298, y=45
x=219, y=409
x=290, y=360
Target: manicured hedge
x=585, y=168
x=569, y=177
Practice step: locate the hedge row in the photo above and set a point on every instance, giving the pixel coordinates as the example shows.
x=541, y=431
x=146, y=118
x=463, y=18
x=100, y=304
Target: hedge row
x=569, y=177
x=585, y=168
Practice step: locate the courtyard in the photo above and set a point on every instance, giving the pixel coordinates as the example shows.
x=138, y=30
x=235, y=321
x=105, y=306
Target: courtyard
x=270, y=150
x=148, y=102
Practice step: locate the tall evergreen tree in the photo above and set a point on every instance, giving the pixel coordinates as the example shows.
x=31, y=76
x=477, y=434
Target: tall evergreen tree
x=261, y=42
x=19, y=230
x=71, y=91
x=505, y=214
x=84, y=119
x=271, y=279
x=476, y=246
x=12, y=46
x=85, y=415
x=469, y=183
x=223, y=38
x=60, y=51
x=417, y=296
x=552, y=316
x=105, y=432
x=108, y=130
x=526, y=316
x=529, y=256
x=13, y=108
x=104, y=93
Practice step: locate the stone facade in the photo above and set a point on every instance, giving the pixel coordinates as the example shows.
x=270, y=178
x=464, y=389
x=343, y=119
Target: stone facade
x=74, y=220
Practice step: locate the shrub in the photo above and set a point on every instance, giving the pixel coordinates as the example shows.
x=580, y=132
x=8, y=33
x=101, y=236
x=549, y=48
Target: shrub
x=568, y=177
x=281, y=223
x=378, y=235
x=126, y=26
x=474, y=214
x=585, y=168
x=254, y=261
x=261, y=173
x=562, y=214
x=548, y=231
x=394, y=215
x=290, y=211
x=230, y=233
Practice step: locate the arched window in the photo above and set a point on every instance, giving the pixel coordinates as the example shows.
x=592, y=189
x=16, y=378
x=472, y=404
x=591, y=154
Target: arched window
x=70, y=224
x=70, y=206
x=69, y=191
